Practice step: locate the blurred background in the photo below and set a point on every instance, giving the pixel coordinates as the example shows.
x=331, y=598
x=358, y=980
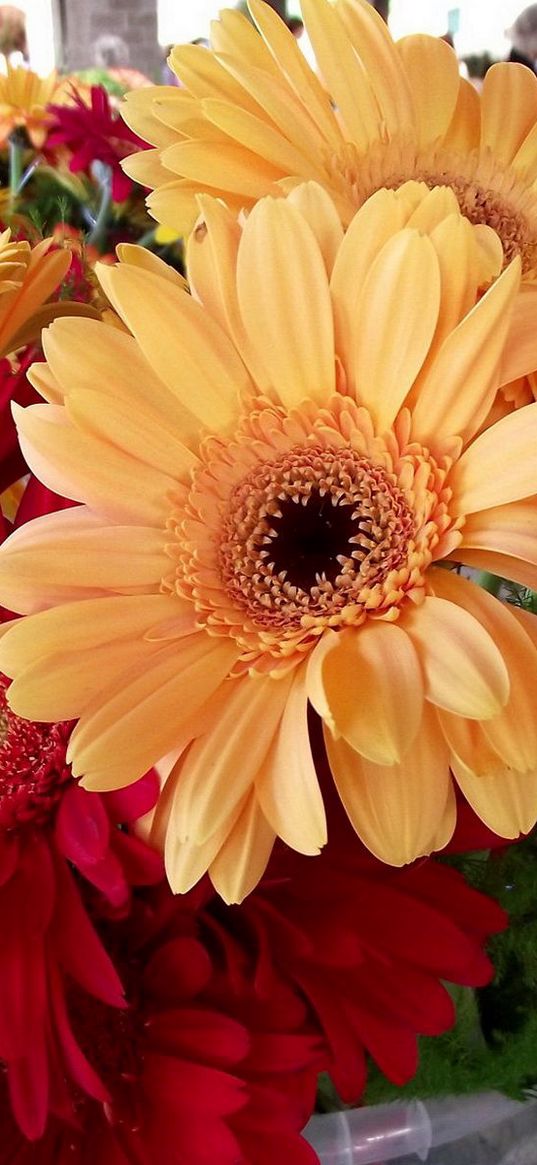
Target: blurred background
x=64, y=32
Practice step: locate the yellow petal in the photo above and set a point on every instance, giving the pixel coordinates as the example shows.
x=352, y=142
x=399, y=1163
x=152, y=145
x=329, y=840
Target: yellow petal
x=464, y=131
x=520, y=353
x=395, y=321
x=398, y=811
x=508, y=530
x=185, y=861
x=259, y=136
x=506, y=802
x=317, y=208
x=240, y=170
x=287, y=787
x=433, y=75
x=342, y=72
x=146, y=168
x=508, y=108
x=367, y=686
x=461, y=383
x=137, y=110
x=218, y=770
x=464, y=670
x=499, y=466
x=292, y=332
x=117, y=741
x=377, y=220
x=300, y=76
x=84, y=354
x=82, y=626
x=148, y=261
x=513, y=732
x=185, y=347
x=505, y=566
x=369, y=34
x=244, y=855
x=60, y=686
x=66, y=559
x=79, y=466
x=143, y=434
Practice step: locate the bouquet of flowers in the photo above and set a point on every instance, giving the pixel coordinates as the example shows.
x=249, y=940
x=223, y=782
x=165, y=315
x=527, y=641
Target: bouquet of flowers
x=269, y=648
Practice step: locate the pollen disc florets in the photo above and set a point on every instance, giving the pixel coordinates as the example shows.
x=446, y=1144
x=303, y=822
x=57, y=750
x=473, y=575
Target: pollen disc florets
x=306, y=521
x=308, y=533
x=33, y=769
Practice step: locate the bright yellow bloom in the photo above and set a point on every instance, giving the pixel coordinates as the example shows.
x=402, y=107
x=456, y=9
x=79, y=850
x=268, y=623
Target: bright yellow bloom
x=253, y=116
x=275, y=472
x=28, y=276
x=23, y=100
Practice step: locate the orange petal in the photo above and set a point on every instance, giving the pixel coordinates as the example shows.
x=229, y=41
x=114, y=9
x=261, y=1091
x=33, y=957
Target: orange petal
x=464, y=670
x=219, y=768
x=367, y=686
x=398, y=811
x=499, y=466
x=119, y=738
x=244, y=855
x=292, y=333
x=287, y=787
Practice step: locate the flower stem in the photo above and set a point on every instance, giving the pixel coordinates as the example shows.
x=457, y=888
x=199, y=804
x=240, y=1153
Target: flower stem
x=15, y=170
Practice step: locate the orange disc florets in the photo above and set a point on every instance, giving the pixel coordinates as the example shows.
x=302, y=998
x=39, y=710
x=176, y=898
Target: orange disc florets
x=306, y=520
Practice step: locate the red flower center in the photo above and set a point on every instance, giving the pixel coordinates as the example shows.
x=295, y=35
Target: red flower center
x=33, y=769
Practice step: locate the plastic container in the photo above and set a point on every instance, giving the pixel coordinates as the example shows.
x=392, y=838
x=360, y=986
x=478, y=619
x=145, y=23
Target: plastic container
x=387, y=1132
x=366, y=1136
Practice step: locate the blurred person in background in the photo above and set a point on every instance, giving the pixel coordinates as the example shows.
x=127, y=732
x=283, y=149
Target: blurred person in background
x=523, y=37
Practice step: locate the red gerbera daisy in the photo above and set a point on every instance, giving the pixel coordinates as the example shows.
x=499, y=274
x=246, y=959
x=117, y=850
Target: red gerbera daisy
x=174, y=1076
x=368, y=947
x=92, y=133
x=51, y=829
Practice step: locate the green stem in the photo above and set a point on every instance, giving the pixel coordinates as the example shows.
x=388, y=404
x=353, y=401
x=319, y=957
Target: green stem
x=489, y=582
x=15, y=171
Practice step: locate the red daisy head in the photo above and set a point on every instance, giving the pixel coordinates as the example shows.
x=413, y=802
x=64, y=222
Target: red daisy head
x=94, y=132
x=368, y=946
x=55, y=838
x=175, y=1074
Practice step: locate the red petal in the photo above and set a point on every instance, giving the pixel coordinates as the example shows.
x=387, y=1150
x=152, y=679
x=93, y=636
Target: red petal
x=82, y=826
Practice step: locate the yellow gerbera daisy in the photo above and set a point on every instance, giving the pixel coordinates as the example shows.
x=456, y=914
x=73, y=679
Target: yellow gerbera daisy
x=274, y=471
x=253, y=116
x=24, y=96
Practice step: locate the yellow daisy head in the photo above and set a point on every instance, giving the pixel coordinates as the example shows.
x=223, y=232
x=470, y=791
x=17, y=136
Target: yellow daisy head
x=275, y=472
x=24, y=97
x=253, y=117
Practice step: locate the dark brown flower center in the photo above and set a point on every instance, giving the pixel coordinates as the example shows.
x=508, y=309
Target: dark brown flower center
x=306, y=534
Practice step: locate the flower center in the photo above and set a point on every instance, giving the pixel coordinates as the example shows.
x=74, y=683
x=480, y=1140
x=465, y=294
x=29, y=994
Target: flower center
x=33, y=769
x=310, y=533
x=487, y=195
x=305, y=521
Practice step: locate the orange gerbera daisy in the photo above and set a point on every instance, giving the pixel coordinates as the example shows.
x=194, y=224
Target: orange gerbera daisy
x=252, y=116
x=28, y=276
x=275, y=471
x=24, y=97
